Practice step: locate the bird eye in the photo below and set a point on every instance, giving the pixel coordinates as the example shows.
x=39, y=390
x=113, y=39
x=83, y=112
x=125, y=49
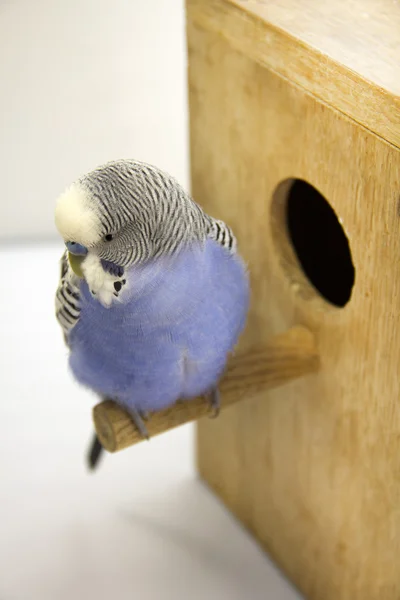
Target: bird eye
x=108, y=237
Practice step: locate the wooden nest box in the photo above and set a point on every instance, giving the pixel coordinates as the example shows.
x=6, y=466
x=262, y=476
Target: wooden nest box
x=295, y=142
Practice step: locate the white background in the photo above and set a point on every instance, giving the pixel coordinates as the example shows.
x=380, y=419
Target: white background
x=83, y=82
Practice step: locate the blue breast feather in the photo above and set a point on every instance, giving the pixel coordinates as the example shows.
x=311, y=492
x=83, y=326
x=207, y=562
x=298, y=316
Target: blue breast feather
x=170, y=335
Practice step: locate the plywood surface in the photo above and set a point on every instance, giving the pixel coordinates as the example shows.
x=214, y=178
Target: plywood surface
x=313, y=470
x=346, y=52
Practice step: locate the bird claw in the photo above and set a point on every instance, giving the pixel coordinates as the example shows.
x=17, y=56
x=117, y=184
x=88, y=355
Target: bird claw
x=138, y=417
x=144, y=415
x=215, y=402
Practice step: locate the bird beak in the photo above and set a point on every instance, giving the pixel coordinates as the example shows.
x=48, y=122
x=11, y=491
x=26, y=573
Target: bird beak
x=76, y=255
x=76, y=264
x=77, y=249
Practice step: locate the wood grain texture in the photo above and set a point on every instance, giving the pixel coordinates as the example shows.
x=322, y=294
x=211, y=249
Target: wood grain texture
x=312, y=469
x=346, y=53
x=286, y=357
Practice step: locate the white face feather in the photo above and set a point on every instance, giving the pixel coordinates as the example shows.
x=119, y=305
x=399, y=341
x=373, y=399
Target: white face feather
x=75, y=218
x=100, y=283
x=76, y=221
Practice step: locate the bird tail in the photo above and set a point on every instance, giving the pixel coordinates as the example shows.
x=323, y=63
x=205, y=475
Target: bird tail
x=95, y=452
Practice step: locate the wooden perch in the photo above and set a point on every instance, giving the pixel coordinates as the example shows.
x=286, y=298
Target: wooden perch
x=287, y=357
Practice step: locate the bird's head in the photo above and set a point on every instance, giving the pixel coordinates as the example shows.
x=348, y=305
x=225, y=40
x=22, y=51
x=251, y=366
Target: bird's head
x=126, y=212
x=80, y=222
x=107, y=213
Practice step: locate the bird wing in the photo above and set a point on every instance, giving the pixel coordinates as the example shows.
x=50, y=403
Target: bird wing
x=67, y=297
x=222, y=234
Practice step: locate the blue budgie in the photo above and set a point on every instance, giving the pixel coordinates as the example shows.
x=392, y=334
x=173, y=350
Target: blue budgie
x=153, y=294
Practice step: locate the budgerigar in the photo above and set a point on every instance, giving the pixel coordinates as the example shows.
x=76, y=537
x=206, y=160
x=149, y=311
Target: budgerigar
x=153, y=294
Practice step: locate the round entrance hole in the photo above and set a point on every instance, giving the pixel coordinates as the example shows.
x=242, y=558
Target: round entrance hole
x=317, y=239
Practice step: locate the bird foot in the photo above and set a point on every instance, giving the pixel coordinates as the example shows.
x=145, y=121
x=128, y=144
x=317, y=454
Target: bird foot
x=215, y=402
x=138, y=417
x=145, y=415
